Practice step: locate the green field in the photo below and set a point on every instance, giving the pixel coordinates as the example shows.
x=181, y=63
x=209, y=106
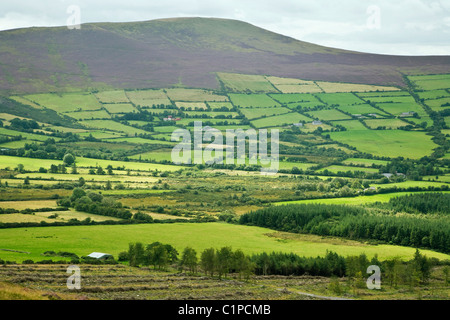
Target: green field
x=337, y=169
x=433, y=94
x=351, y=125
x=361, y=109
x=334, y=87
x=431, y=82
x=29, y=164
x=112, y=126
x=67, y=102
x=294, y=98
x=25, y=135
x=356, y=201
x=86, y=115
x=194, y=95
x=397, y=109
x=120, y=108
x=326, y=115
x=252, y=100
x=364, y=162
x=148, y=98
x=255, y=113
x=280, y=120
x=413, y=145
x=234, y=82
x=388, y=123
x=83, y=240
x=339, y=98
x=116, y=96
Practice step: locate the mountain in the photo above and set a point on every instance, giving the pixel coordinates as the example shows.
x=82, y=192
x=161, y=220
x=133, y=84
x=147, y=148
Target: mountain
x=185, y=51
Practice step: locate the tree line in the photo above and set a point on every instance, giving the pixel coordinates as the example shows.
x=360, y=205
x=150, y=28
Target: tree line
x=354, y=223
x=224, y=261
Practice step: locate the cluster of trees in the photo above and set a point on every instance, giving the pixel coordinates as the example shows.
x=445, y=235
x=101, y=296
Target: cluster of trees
x=23, y=125
x=413, y=169
x=93, y=202
x=46, y=150
x=221, y=262
x=425, y=203
x=353, y=223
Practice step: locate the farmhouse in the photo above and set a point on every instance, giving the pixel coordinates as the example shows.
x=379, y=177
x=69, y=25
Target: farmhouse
x=317, y=123
x=298, y=124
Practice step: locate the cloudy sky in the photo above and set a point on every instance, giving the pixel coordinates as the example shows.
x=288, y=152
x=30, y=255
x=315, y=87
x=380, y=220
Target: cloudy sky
x=404, y=27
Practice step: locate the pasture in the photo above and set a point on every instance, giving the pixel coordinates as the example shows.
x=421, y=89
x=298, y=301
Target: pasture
x=234, y=82
x=413, y=145
x=328, y=114
x=120, y=108
x=67, y=102
x=255, y=113
x=252, y=101
x=335, y=87
x=387, y=123
x=280, y=120
x=83, y=240
x=339, y=99
x=116, y=96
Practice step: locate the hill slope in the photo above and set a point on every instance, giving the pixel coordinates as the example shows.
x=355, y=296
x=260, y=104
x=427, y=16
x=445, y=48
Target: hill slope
x=187, y=51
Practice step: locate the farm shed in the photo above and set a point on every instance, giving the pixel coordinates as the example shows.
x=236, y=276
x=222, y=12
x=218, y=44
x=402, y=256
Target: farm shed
x=100, y=256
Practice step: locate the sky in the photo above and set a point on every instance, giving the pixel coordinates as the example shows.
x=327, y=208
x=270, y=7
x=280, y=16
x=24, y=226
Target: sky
x=399, y=27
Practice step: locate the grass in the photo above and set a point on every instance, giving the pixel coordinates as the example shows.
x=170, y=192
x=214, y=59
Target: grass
x=192, y=105
x=29, y=164
x=364, y=162
x=431, y=82
x=255, y=113
x=218, y=105
x=83, y=240
x=410, y=184
x=252, y=100
x=388, y=143
x=326, y=115
x=120, y=108
x=86, y=115
x=245, y=83
x=294, y=98
x=194, y=95
x=280, y=120
x=433, y=94
x=388, y=123
x=333, y=87
x=360, y=109
x=25, y=135
x=398, y=108
x=337, y=169
x=116, y=96
x=299, y=88
x=354, y=201
x=86, y=162
x=148, y=98
x=112, y=126
x=339, y=98
x=351, y=125
x=67, y=102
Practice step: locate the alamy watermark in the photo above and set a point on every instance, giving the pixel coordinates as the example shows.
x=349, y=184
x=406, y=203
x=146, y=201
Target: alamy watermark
x=207, y=145
x=374, y=281
x=374, y=17
x=74, y=19
x=74, y=281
